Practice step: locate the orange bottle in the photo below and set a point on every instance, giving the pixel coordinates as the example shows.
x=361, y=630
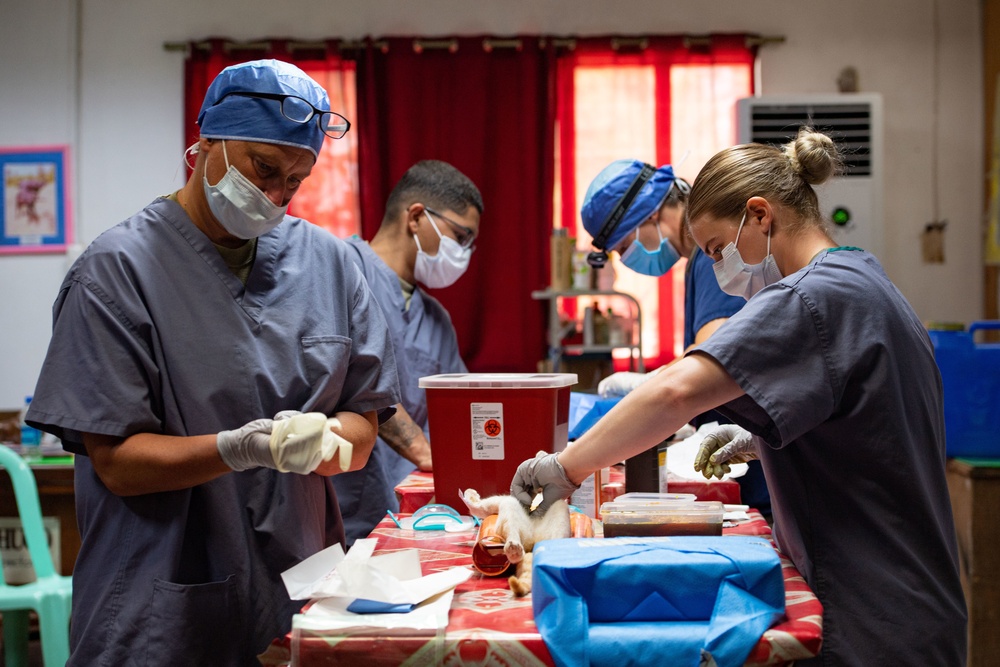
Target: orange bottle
x=487, y=554
x=580, y=525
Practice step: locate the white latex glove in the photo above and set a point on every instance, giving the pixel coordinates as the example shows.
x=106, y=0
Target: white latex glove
x=620, y=384
x=248, y=446
x=724, y=444
x=300, y=442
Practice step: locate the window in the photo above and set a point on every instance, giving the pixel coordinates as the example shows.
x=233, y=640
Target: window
x=329, y=198
x=613, y=106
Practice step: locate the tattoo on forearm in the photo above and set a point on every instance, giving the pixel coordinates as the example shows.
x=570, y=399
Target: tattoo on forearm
x=399, y=434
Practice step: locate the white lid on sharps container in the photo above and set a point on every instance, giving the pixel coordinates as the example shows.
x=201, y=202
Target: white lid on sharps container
x=498, y=381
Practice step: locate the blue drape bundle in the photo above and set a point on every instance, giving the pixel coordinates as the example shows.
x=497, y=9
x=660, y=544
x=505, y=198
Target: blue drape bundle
x=655, y=601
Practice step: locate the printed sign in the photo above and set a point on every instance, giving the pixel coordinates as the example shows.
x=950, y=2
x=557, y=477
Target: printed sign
x=17, y=568
x=487, y=431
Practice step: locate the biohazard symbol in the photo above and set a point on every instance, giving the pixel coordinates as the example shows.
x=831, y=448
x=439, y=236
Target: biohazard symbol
x=492, y=428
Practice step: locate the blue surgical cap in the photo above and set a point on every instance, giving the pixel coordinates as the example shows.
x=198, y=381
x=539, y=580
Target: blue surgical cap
x=254, y=119
x=608, y=188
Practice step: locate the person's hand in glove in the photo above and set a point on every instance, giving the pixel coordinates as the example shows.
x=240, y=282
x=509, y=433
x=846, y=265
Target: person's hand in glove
x=300, y=442
x=545, y=473
x=248, y=446
x=620, y=384
x=292, y=442
x=725, y=444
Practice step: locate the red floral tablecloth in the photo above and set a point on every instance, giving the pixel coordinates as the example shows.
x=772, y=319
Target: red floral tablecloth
x=489, y=626
x=418, y=489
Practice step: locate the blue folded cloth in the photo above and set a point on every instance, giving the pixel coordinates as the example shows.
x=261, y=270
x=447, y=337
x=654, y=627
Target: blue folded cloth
x=633, y=601
x=585, y=410
x=363, y=606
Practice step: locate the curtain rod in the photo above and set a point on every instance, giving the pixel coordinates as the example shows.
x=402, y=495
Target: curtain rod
x=489, y=44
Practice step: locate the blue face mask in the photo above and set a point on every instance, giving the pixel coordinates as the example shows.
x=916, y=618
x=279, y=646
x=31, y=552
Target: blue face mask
x=650, y=262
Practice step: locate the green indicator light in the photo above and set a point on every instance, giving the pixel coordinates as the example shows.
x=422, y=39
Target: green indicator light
x=841, y=216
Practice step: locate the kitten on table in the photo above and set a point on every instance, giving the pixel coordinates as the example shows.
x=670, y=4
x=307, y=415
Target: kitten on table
x=520, y=529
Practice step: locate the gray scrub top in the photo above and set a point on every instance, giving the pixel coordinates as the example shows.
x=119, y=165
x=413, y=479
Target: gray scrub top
x=841, y=382
x=425, y=343
x=153, y=333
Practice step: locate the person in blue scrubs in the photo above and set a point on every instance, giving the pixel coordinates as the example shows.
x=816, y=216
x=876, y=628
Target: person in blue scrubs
x=831, y=379
x=650, y=239
x=426, y=238
x=178, y=335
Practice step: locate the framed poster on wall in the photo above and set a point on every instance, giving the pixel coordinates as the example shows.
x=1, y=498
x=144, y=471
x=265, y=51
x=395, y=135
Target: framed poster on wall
x=35, y=213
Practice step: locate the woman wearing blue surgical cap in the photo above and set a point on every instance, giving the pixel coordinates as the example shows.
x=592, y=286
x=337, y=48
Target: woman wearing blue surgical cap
x=652, y=238
x=179, y=336
x=832, y=376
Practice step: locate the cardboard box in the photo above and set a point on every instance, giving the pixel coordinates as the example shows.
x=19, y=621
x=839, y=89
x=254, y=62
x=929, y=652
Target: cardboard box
x=975, y=496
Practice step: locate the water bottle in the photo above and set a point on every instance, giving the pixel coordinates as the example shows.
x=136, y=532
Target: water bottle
x=31, y=437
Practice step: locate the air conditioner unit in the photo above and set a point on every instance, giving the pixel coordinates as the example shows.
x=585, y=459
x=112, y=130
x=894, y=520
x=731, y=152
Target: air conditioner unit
x=852, y=201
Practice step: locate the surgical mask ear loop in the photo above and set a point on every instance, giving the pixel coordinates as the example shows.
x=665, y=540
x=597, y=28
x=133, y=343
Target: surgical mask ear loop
x=740, y=229
x=433, y=224
x=225, y=156
x=658, y=233
x=436, y=231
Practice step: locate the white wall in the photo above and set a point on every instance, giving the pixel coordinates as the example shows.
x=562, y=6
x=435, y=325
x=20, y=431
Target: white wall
x=94, y=74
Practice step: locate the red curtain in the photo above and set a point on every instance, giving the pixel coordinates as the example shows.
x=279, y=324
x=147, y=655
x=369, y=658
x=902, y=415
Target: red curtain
x=662, y=53
x=487, y=108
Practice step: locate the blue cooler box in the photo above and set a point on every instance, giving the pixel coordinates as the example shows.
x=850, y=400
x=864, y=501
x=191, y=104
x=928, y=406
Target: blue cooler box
x=970, y=373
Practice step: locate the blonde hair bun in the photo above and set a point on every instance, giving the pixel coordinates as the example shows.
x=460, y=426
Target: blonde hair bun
x=814, y=156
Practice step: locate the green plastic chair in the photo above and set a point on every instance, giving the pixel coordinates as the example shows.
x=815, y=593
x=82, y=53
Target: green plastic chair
x=50, y=595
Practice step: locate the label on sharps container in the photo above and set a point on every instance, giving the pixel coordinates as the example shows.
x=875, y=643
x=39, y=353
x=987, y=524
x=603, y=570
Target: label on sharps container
x=585, y=498
x=487, y=431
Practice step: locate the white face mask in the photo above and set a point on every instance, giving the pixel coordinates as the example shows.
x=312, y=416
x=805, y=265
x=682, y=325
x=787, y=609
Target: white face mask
x=240, y=206
x=738, y=278
x=444, y=268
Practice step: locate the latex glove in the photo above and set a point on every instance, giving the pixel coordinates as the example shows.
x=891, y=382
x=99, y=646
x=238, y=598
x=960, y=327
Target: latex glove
x=248, y=446
x=620, y=384
x=300, y=442
x=545, y=473
x=723, y=445
x=331, y=441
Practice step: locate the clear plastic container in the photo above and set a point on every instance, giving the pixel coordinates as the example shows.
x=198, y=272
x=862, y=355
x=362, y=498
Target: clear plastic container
x=642, y=497
x=662, y=518
x=31, y=437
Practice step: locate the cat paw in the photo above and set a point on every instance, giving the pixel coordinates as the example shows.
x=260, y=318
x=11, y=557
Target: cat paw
x=514, y=551
x=519, y=588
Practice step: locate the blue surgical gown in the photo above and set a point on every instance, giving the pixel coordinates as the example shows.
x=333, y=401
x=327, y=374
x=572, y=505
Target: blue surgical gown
x=153, y=333
x=425, y=343
x=841, y=382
